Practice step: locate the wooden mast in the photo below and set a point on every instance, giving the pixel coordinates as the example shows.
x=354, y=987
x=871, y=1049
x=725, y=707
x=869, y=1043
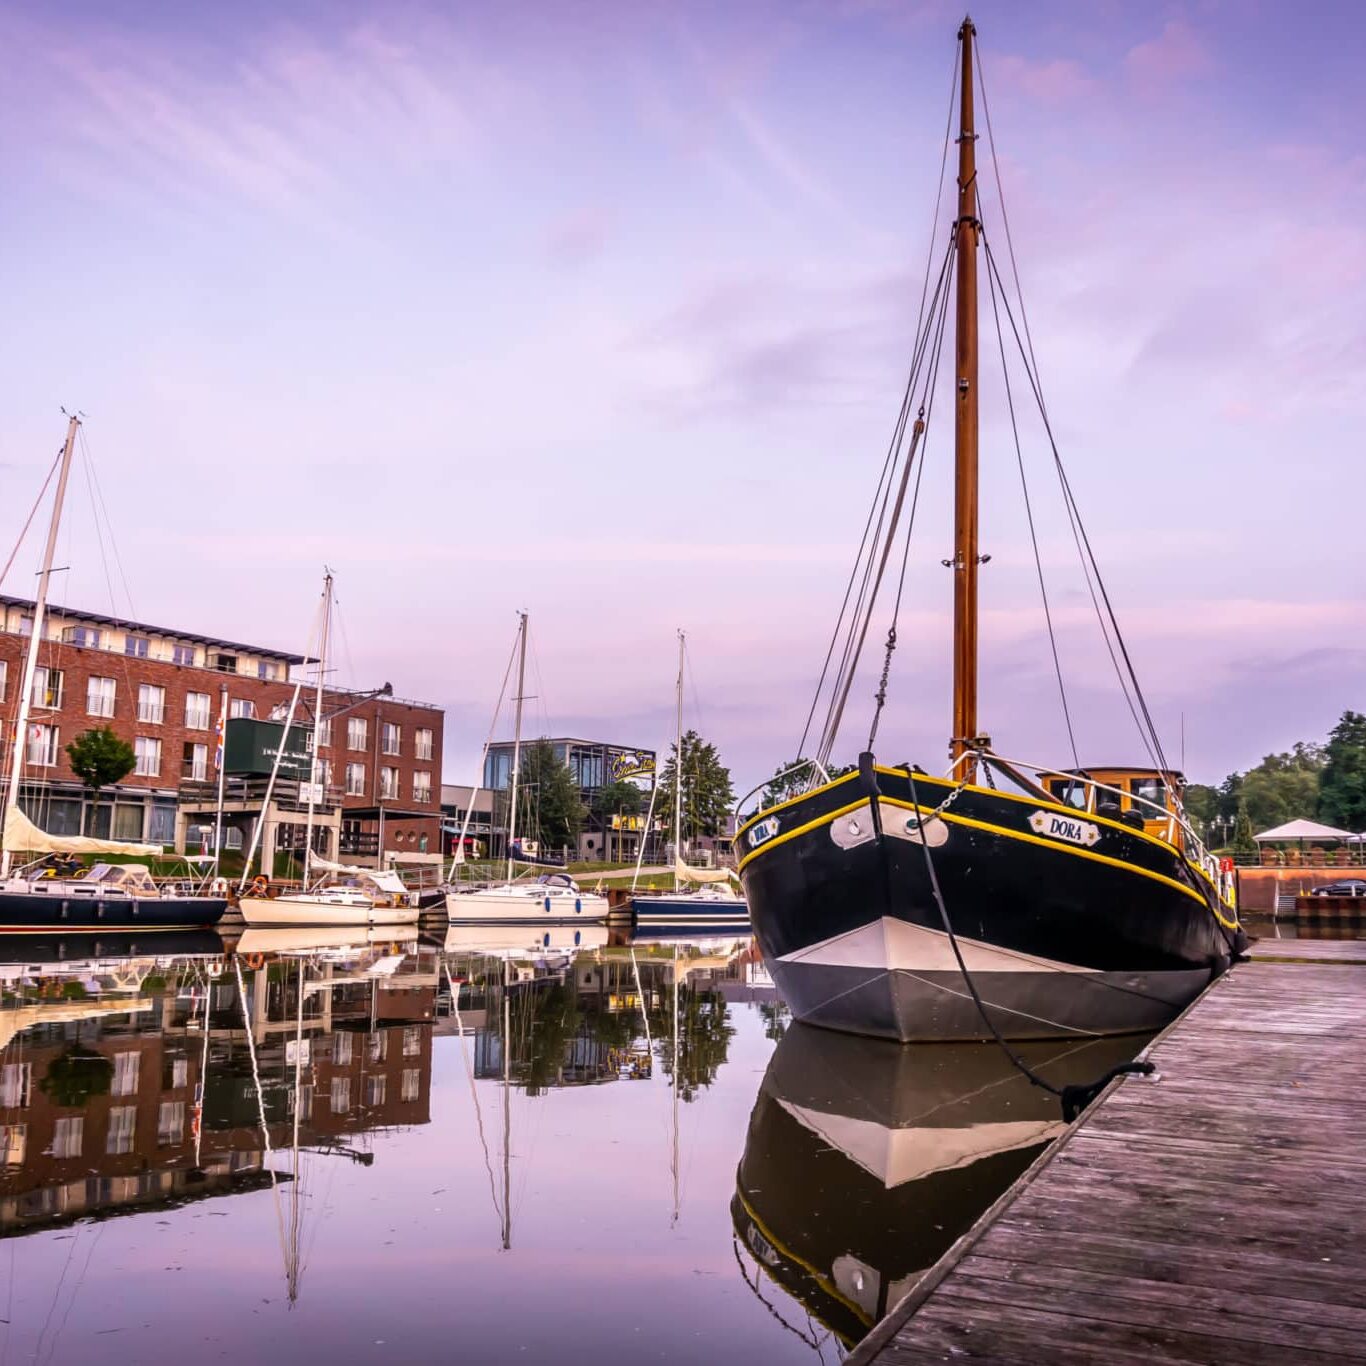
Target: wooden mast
x=965, y=559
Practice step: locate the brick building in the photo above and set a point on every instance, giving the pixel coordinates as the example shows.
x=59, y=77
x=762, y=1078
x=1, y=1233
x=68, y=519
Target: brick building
x=162, y=690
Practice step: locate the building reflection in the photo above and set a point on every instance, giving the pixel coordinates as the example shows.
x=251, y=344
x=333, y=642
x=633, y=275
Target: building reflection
x=131, y=1083
x=866, y=1160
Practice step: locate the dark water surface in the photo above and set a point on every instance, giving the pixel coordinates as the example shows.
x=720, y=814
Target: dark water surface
x=368, y=1170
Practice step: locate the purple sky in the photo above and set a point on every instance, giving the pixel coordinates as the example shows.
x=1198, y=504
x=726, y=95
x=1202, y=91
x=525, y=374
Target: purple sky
x=603, y=310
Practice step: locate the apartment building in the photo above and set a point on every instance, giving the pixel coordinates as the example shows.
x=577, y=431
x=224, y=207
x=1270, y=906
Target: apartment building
x=163, y=690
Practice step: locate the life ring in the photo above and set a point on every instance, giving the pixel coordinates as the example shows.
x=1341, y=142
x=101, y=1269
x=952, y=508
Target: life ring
x=218, y=887
x=255, y=961
x=1225, y=864
x=260, y=885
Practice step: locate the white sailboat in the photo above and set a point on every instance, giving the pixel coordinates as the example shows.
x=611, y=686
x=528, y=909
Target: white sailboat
x=550, y=896
x=702, y=898
x=344, y=894
x=109, y=896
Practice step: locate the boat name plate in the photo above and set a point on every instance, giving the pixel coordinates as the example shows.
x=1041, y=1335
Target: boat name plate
x=1057, y=827
x=765, y=830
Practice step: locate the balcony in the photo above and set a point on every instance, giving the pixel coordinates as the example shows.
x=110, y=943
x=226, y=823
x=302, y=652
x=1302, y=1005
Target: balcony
x=248, y=791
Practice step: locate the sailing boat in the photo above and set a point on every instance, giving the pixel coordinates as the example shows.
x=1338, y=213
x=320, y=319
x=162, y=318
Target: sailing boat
x=107, y=896
x=344, y=894
x=893, y=903
x=551, y=895
x=702, y=898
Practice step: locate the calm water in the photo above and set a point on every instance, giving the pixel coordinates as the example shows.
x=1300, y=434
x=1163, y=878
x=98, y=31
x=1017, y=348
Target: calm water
x=585, y=1154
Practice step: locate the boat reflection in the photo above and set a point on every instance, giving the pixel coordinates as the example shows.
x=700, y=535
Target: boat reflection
x=865, y=1160
x=130, y=1083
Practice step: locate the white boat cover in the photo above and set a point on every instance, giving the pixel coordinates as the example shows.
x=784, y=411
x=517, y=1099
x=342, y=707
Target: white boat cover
x=21, y=833
x=686, y=874
x=383, y=878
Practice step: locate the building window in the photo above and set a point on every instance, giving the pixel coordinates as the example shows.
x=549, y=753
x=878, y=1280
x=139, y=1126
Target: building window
x=125, y=1082
x=412, y=1040
x=151, y=704
x=148, y=752
x=390, y=738
x=422, y=744
x=324, y=729
x=197, y=710
x=170, y=1123
x=47, y=689
x=357, y=732
x=388, y=783
x=136, y=646
x=161, y=829
x=44, y=745
x=175, y=1075
x=182, y=654
x=267, y=669
x=341, y=1050
x=355, y=780
x=13, y=1144
x=341, y=1095
x=242, y=709
x=4, y=678
x=86, y=636
x=375, y=1088
x=16, y=1085
x=68, y=1137
x=377, y=1046
x=226, y=664
x=99, y=697
x=412, y=1084
x=278, y=713
x=122, y=1123
x=422, y=786
x=322, y=772
x=195, y=765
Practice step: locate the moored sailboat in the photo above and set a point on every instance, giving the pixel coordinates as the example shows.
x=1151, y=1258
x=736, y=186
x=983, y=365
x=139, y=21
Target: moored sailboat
x=1022, y=900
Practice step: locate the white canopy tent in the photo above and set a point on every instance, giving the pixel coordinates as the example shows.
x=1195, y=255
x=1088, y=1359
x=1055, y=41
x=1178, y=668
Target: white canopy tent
x=1303, y=830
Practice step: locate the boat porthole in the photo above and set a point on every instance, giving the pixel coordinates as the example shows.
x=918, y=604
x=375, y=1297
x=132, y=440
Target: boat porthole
x=578, y=938
x=545, y=940
x=855, y=828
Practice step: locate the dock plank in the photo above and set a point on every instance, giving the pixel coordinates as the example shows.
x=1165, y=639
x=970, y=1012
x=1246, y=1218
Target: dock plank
x=1211, y=1214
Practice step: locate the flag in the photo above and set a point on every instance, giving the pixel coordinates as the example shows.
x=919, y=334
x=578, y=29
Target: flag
x=218, y=734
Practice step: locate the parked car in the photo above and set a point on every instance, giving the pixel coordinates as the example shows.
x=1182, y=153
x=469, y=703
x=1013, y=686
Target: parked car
x=1351, y=886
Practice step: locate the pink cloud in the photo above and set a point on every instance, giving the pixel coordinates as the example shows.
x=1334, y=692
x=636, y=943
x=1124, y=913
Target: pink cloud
x=1175, y=54
x=1057, y=82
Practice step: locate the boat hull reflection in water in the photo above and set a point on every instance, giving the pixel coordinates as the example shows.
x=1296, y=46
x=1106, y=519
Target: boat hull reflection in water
x=866, y=1160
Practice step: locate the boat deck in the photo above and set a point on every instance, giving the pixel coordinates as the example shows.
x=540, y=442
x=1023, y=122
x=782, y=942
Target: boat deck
x=1212, y=1213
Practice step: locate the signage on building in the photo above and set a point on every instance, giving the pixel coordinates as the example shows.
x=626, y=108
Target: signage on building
x=631, y=763
x=251, y=747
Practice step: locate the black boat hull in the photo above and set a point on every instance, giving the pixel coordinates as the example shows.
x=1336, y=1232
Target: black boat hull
x=52, y=913
x=1069, y=924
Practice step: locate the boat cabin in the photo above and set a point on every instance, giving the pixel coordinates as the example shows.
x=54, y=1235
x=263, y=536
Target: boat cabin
x=1148, y=799
x=360, y=886
x=103, y=879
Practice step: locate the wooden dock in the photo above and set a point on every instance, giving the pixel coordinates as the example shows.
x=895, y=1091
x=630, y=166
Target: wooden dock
x=1213, y=1213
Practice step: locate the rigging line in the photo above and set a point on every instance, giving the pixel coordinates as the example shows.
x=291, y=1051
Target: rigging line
x=939, y=192
x=884, y=477
x=927, y=408
x=862, y=606
x=99, y=506
x=1029, y=514
x=1032, y=369
x=33, y=512
x=1090, y=567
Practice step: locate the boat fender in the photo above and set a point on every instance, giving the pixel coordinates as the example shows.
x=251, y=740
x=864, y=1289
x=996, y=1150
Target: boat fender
x=867, y=781
x=255, y=961
x=218, y=887
x=260, y=885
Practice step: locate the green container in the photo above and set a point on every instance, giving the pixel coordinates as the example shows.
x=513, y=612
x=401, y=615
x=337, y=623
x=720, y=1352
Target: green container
x=251, y=746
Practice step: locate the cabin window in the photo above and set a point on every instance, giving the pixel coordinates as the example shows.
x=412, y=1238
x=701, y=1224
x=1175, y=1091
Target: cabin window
x=99, y=696
x=1071, y=793
x=1151, y=790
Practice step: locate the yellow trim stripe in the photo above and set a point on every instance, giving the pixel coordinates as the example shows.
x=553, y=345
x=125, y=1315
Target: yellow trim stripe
x=819, y=1277
x=997, y=830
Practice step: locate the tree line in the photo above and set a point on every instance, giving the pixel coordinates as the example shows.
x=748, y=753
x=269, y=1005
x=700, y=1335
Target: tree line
x=1324, y=782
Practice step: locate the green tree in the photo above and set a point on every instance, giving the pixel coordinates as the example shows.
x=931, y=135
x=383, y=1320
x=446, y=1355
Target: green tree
x=100, y=759
x=1282, y=787
x=707, y=791
x=76, y=1076
x=622, y=796
x=549, y=807
x=1202, y=806
x=1243, y=843
x=1342, y=785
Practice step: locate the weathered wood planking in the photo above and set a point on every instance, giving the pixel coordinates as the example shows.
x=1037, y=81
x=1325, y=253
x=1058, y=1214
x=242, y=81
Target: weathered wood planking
x=1214, y=1213
x=1308, y=950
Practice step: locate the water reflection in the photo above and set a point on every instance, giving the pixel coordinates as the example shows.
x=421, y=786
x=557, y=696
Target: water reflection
x=865, y=1160
x=443, y=1117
